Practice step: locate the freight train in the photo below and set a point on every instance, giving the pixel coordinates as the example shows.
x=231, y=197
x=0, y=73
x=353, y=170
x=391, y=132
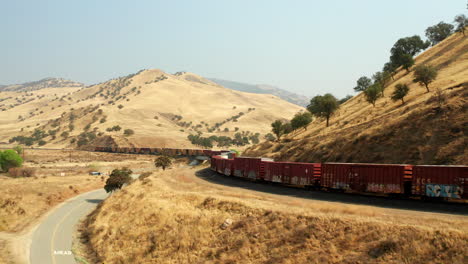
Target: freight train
x=424, y=181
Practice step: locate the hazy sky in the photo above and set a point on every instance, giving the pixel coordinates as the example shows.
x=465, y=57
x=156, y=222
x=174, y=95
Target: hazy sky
x=309, y=47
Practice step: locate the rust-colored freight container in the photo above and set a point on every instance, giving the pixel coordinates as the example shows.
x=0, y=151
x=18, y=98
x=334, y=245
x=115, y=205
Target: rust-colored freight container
x=248, y=167
x=370, y=178
x=295, y=173
x=273, y=171
x=213, y=162
x=441, y=181
x=228, y=167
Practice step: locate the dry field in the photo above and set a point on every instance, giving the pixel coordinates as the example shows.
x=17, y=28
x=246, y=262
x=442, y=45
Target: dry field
x=24, y=200
x=422, y=131
x=177, y=217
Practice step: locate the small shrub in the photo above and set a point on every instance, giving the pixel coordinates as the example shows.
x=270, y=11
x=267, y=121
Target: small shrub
x=128, y=132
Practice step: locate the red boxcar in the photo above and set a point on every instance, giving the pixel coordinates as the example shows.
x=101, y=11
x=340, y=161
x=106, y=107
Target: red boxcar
x=371, y=178
x=248, y=168
x=228, y=167
x=273, y=171
x=295, y=173
x=213, y=162
x=441, y=181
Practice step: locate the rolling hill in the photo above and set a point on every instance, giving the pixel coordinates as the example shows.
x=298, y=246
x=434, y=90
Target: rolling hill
x=430, y=128
x=41, y=84
x=264, y=89
x=162, y=110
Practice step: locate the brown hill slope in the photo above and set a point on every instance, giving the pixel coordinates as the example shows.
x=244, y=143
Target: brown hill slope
x=431, y=128
x=162, y=109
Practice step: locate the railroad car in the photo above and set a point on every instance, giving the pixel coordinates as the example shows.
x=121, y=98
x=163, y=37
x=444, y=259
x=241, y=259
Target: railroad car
x=367, y=178
x=446, y=182
x=247, y=167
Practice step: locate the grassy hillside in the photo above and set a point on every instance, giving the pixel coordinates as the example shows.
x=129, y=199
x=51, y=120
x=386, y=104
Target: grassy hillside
x=162, y=110
x=430, y=128
x=176, y=217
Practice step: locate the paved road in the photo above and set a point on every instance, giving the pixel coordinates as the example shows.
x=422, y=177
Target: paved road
x=52, y=240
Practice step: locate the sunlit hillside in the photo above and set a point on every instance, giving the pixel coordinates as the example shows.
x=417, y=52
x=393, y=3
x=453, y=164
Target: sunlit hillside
x=429, y=128
x=162, y=110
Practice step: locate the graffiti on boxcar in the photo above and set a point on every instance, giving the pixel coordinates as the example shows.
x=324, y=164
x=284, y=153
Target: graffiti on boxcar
x=294, y=180
x=341, y=185
x=252, y=175
x=443, y=190
x=276, y=178
x=384, y=188
x=238, y=173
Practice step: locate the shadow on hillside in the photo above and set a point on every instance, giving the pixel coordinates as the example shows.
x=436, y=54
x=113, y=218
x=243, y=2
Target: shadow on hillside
x=386, y=202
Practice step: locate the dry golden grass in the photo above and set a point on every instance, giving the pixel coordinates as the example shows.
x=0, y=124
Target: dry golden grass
x=148, y=111
x=176, y=217
x=417, y=132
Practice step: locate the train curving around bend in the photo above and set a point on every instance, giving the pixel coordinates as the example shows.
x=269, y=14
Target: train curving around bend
x=423, y=181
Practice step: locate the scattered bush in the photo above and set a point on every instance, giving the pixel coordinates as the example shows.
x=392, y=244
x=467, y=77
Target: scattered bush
x=128, y=132
x=163, y=162
x=10, y=159
x=117, y=179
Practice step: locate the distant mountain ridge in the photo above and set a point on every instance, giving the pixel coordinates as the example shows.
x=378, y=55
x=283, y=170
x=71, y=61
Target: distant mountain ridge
x=41, y=84
x=294, y=98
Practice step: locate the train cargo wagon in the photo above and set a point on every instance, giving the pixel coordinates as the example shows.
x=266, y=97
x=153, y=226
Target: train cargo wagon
x=213, y=163
x=370, y=178
x=273, y=171
x=220, y=165
x=253, y=168
x=228, y=166
x=336, y=176
x=239, y=167
x=303, y=173
x=381, y=178
x=441, y=181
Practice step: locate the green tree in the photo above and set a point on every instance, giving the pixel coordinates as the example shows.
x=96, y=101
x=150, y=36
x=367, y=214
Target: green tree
x=424, y=75
x=405, y=48
x=301, y=119
x=269, y=137
x=407, y=62
x=409, y=45
x=373, y=93
x=382, y=79
x=439, y=32
x=117, y=179
x=362, y=84
x=462, y=23
x=391, y=69
x=10, y=159
x=277, y=129
x=287, y=128
x=163, y=162
x=323, y=106
x=401, y=90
